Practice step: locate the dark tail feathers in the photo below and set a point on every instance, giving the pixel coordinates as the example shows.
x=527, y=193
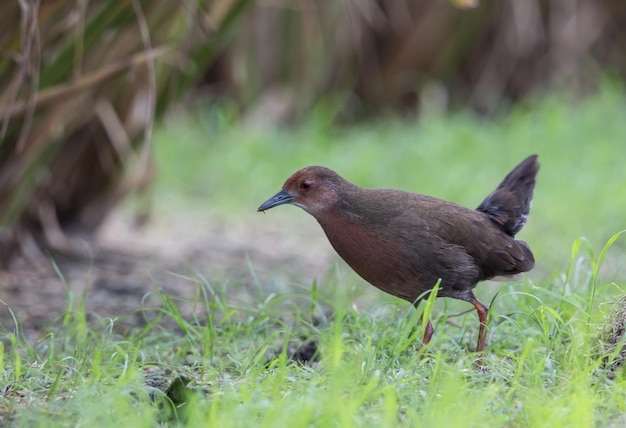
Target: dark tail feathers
x=509, y=204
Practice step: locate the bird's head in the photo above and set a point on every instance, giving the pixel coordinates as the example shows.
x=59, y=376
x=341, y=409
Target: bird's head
x=314, y=189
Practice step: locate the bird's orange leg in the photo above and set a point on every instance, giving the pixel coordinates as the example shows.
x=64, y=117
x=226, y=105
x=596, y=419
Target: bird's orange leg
x=482, y=318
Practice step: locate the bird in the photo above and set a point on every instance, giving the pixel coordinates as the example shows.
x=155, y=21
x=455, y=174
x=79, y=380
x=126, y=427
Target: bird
x=405, y=243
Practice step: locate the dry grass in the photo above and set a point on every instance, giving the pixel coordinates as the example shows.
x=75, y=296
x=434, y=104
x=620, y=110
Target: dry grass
x=82, y=86
x=611, y=339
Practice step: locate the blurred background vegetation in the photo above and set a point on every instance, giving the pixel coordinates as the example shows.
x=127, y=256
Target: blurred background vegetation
x=82, y=85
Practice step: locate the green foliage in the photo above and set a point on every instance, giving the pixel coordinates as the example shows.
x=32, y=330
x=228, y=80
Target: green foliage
x=232, y=366
x=232, y=363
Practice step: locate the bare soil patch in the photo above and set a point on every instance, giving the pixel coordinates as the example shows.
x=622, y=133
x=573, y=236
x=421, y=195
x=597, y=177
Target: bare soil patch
x=122, y=266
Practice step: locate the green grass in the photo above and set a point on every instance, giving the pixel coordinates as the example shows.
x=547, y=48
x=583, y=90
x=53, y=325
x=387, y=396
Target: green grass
x=372, y=369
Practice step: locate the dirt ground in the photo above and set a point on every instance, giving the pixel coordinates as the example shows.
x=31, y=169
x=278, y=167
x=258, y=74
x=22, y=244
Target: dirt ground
x=122, y=266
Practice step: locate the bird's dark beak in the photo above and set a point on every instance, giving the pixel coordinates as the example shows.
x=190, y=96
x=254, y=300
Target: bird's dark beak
x=280, y=198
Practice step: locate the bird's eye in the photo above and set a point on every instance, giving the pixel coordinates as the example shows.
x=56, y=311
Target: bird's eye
x=306, y=184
